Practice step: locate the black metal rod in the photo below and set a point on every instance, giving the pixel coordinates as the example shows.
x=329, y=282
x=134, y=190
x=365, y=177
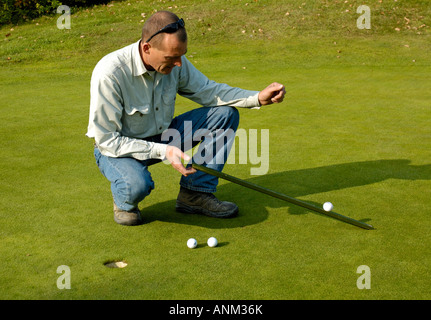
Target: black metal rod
x=282, y=196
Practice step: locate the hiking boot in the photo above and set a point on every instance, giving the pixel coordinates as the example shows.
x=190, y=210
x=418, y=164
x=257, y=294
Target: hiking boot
x=189, y=201
x=127, y=218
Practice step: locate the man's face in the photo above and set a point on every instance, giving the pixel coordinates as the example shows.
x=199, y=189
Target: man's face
x=165, y=58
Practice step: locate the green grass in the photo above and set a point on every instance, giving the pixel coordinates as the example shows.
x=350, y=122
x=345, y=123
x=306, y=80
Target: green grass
x=353, y=130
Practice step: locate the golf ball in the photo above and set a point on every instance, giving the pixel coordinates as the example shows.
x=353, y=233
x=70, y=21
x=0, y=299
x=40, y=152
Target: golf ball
x=327, y=206
x=212, y=242
x=192, y=243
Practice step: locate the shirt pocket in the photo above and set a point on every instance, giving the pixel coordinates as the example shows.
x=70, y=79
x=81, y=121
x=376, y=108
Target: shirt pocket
x=138, y=119
x=169, y=96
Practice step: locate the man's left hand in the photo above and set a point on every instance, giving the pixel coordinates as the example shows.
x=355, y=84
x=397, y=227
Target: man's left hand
x=274, y=93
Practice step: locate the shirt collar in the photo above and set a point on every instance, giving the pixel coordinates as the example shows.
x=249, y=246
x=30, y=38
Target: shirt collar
x=137, y=63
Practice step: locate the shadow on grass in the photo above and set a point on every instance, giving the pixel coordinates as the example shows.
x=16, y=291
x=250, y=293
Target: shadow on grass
x=295, y=183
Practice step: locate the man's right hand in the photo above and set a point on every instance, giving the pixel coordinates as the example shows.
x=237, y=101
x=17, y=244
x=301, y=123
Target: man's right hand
x=174, y=156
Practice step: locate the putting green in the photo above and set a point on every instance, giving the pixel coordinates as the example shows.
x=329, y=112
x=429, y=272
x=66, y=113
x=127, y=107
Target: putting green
x=353, y=130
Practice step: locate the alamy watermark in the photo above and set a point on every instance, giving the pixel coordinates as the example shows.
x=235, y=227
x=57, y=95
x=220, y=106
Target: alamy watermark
x=364, y=281
x=63, y=22
x=248, y=150
x=364, y=20
x=219, y=146
x=63, y=281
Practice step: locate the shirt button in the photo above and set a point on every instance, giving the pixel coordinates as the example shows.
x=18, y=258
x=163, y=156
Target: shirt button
x=160, y=128
x=157, y=108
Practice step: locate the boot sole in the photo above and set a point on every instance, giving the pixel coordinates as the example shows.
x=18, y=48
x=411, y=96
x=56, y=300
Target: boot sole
x=128, y=222
x=184, y=208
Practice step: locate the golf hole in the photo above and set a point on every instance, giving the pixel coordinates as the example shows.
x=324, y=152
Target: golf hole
x=115, y=264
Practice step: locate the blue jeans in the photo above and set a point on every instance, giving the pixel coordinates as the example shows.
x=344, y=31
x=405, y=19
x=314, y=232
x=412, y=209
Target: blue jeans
x=130, y=179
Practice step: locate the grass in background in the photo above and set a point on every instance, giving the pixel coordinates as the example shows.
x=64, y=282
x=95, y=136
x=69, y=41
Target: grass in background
x=353, y=130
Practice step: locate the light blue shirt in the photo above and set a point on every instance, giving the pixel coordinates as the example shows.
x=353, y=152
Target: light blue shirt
x=129, y=103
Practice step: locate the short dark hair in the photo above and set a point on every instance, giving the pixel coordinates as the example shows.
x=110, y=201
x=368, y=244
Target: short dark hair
x=156, y=22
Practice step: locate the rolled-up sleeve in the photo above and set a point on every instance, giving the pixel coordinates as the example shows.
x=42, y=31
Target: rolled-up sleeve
x=195, y=86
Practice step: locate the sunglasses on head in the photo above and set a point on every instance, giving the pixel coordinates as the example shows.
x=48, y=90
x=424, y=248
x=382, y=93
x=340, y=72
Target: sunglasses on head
x=170, y=28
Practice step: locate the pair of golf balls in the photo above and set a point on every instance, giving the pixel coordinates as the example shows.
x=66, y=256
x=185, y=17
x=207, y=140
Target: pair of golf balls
x=192, y=243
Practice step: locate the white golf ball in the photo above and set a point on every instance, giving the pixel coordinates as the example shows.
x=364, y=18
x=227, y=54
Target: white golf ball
x=192, y=243
x=212, y=242
x=327, y=206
